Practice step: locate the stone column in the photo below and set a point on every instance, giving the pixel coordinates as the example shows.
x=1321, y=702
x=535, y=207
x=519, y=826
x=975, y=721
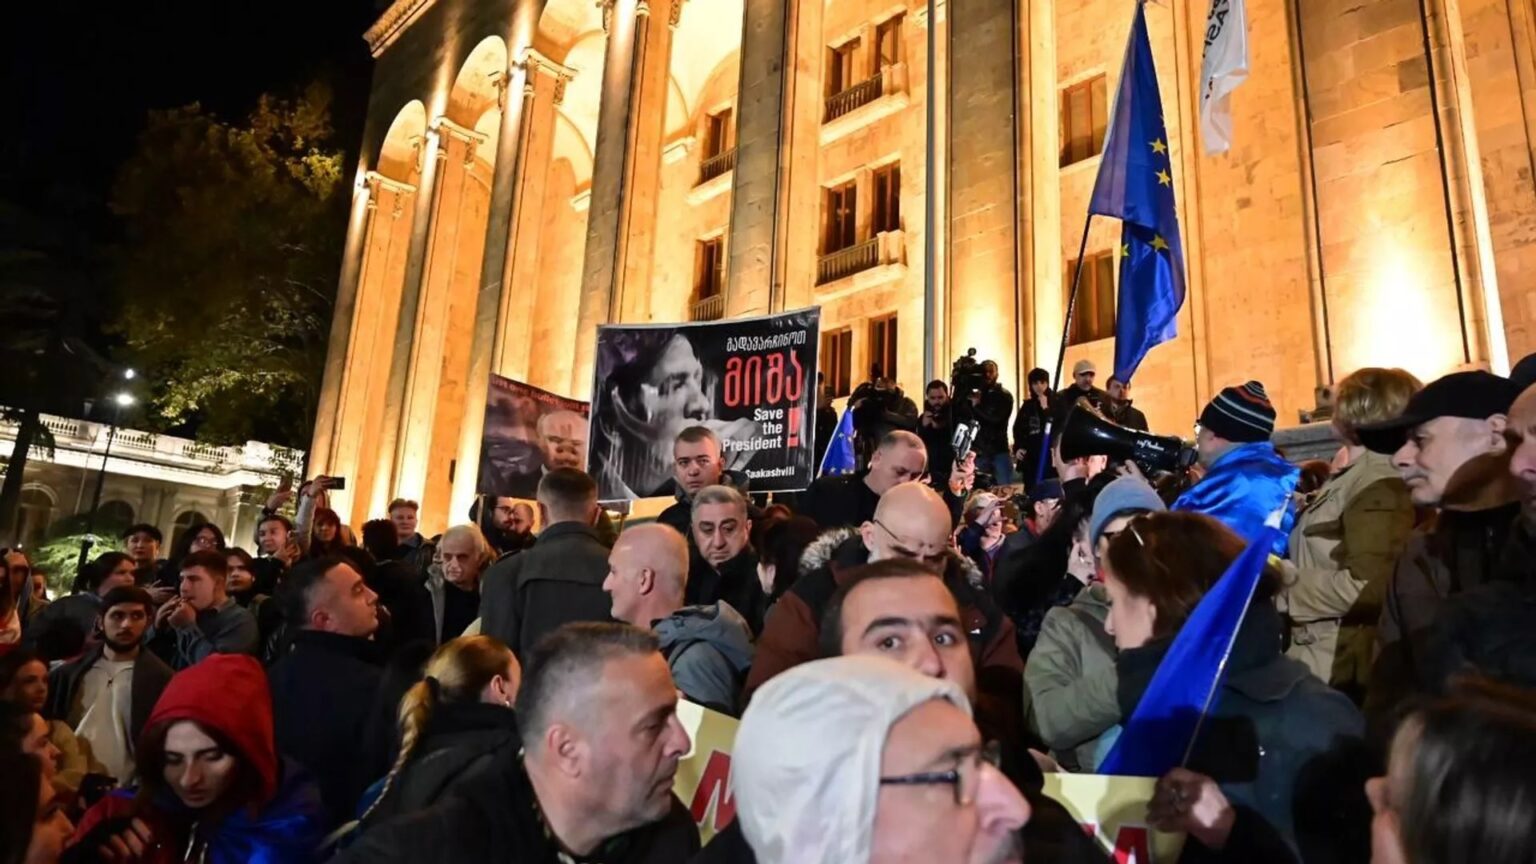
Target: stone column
x=331, y=387
x=543, y=90
x=427, y=198
x=984, y=220
x=626, y=170
x=752, y=279
x=414, y=471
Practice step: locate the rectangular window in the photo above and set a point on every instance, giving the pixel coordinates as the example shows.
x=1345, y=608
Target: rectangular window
x=717, y=133
x=1084, y=117
x=837, y=361
x=1094, y=316
x=882, y=345
x=841, y=218
x=840, y=67
x=888, y=42
x=710, y=268
x=887, y=192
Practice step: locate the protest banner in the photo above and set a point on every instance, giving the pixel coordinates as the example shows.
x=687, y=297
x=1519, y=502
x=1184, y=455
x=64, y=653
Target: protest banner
x=1114, y=810
x=750, y=380
x=703, y=781
x=527, y=431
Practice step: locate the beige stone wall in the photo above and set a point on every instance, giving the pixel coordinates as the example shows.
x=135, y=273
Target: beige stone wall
x=1344, y=228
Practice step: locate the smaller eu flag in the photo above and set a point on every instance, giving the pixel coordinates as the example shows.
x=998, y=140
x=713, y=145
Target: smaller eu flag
x=1135, y=185
x=1162, y=729
x=839, y=458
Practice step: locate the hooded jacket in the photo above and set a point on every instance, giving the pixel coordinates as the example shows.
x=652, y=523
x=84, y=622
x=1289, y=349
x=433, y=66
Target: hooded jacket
x=816, y=801
x=1241, y=489
x=283, y=822
x=709, y=649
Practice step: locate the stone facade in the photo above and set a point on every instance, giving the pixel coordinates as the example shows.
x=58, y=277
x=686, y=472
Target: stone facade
x=532, y=168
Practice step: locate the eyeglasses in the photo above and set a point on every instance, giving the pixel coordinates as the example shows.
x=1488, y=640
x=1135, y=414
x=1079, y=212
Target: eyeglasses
x=965, y=777
x=904, y=549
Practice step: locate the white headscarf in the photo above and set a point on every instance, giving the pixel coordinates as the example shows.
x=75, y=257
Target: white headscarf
x=806, y=767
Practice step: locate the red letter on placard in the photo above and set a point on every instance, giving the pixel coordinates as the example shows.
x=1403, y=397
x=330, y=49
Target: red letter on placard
x=715, y=786
x=1132, y=845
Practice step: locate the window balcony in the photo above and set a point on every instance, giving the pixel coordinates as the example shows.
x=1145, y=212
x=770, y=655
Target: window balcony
x=716, y=166
x=711, y=308
x=876, y=261
x=865, y=103
x=857, y=96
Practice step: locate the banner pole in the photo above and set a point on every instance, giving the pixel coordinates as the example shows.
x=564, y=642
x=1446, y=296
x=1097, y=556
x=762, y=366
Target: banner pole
x=1061, y=352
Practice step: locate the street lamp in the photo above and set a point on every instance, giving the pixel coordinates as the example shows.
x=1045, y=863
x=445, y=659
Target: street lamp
x=120, y=400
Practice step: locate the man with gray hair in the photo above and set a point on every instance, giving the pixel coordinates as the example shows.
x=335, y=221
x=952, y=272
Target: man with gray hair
x=885, y=766
x=726, y=567
x=597, y=713
x=708, y=648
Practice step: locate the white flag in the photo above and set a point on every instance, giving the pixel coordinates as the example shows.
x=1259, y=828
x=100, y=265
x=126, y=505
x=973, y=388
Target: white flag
x=1224, y=66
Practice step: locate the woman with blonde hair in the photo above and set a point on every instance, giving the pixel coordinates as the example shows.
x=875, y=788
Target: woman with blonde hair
x=454, y=723
x=1347, y=539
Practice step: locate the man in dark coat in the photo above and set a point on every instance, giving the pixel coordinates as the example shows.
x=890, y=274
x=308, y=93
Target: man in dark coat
x=77, y=687
x=1083, y=374
x=601, y=744
x=557, y=581
x=1118, y=407
x=724, y=567
x=992, y=406
x=324, y=688
x=850, y=499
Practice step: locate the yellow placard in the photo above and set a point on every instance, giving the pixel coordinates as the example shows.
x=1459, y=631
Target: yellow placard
x=1114, y=809
x=703, y=781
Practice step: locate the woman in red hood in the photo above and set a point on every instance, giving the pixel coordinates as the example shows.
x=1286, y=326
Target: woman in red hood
x=211, y=787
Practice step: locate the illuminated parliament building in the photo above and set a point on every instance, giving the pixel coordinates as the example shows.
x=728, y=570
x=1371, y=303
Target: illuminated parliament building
x=531, y=169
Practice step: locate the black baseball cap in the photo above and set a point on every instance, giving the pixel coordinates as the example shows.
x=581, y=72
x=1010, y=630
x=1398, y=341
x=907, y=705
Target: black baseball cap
x=1473, y=395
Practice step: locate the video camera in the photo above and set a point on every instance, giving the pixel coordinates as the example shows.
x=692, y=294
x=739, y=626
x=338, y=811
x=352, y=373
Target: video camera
x=1086, y=433
x=965, y=377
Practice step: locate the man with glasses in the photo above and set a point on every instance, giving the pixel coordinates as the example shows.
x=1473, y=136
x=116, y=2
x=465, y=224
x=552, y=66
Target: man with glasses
x=912, y=523
x=888, y=767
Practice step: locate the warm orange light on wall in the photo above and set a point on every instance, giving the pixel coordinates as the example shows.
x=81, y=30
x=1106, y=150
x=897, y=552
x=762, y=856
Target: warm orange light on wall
x=1404, y=320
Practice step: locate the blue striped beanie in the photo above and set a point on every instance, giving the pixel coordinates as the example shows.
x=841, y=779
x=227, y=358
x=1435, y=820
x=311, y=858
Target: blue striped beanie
x=1242, y=414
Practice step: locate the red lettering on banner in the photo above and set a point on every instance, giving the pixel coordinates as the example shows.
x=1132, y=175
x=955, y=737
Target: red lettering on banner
x=795, y=413
x=715, y=787
x=747, y=382
x=794, y=382
x=732, y=382
x=1133, y=845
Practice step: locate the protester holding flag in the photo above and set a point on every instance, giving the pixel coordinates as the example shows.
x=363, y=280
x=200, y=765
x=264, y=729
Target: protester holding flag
x=1204, y=686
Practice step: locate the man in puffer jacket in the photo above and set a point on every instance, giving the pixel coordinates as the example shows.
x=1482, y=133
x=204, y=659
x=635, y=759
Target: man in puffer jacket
x=1245, y=479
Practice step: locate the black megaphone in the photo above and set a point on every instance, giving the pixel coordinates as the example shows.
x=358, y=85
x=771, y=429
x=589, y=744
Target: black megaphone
x=1086, y=433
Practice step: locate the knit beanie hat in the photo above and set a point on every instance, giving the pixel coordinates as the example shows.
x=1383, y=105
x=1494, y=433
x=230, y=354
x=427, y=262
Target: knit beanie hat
x=1122, y=495
x=1242, y=414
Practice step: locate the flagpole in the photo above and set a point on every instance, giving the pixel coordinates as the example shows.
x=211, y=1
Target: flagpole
x=1061, y=352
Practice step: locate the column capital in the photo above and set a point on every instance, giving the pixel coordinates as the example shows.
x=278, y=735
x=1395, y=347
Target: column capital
x=535, y=63
x=607, y=7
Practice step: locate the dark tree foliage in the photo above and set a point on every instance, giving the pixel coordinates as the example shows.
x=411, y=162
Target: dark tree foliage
x=226, y=275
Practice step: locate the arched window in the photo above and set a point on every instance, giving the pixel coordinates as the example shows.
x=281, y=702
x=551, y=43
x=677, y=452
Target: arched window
x=185, y=520
x=34, y=516
x=114, y=517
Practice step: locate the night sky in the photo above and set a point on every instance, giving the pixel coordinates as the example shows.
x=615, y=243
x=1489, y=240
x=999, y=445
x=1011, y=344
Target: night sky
x=79, y=77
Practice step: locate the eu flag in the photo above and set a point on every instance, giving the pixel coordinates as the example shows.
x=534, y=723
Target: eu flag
x=1135, y=185
x=1162, y=729
x=839, y=458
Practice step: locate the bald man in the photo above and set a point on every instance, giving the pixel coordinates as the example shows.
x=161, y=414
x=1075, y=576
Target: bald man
x=850, y=499
x=563, y=438
x=910, y=521
x=709, y=648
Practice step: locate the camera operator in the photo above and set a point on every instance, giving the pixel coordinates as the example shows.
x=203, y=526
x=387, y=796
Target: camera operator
x=992, y=405
x=879, y=408
x=1029, y=427
x=936, y=427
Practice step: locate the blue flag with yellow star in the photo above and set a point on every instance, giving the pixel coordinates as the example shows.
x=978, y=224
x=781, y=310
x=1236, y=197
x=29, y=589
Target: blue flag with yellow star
x=1135, y=185
x=840, y=458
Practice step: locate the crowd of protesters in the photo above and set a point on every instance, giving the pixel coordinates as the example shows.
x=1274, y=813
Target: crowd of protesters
x=911, y=649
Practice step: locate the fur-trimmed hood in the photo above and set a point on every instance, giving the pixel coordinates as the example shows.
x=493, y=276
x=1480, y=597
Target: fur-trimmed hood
x=844, y=548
